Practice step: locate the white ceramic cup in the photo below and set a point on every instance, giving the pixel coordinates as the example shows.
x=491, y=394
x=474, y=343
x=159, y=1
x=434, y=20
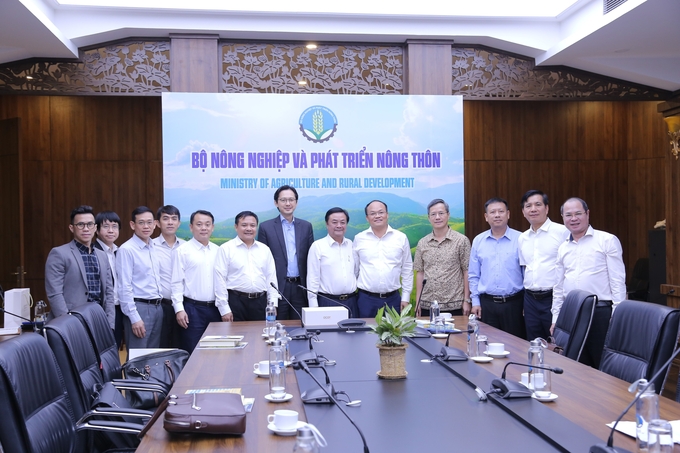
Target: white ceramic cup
x=525, y=379
x=446, y=316
x=283, y=419
x=496, y=348
x=262, y=367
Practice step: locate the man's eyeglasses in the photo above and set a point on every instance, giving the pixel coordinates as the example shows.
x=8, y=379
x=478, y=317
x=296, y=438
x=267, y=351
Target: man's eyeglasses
x=287, y=200
x=82, y=226
x=438, y=214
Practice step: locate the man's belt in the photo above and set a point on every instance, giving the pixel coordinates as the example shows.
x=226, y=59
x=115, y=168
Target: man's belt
x=166, y=301
x=603, y=303
x=538, y=295
x=208, y=303
x=339, y=297
x=502, y=299
x=379, y=295
x=249, y=295
x=293, y=279
x=149, y=301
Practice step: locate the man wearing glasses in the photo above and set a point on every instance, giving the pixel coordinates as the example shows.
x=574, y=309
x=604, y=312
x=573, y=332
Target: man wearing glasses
x=383, y=256
x=77, y=273
x=289, y=239
x=108, y=229
x=590, y=260
x=442, y=257
x=139, y=287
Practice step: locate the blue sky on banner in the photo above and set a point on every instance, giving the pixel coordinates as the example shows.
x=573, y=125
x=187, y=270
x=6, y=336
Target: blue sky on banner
x=242, y=135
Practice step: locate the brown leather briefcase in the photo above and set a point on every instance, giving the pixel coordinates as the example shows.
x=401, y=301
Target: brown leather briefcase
x=210, y=413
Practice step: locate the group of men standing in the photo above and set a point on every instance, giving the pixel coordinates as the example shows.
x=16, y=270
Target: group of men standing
x=518, y=281
x=163, y=292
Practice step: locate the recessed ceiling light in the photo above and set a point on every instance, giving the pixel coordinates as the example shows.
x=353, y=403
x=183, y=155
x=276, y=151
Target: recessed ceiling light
x=311, y=46
x=302, y=82
x=28, y=77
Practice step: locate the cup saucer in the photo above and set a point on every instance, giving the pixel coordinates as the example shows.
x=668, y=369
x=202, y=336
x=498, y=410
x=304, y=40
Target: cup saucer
x=480, y=359
x=497, y=356
x=285, y=432
x=546, y=399
x=269, y=398
x=261, y=374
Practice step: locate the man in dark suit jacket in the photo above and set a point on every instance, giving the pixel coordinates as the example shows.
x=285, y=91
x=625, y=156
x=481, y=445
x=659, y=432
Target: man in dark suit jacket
x=289, y=239
x=77, y=273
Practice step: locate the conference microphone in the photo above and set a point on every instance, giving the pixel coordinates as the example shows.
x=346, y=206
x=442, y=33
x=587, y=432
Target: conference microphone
x=609, y=446
x=297, y=334
x=449, y=354
x=318, y=395
x=509, y=389
x=303, y=366
x=419, y=296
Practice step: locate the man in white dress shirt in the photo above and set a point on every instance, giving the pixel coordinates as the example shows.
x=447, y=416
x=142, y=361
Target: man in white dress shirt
x=383, y=255
x=330, y=266
x=590, y=260
x=108, y=229
x=537, y=255
x=244, y=272
x=193, y=293
x=139, y=287
x=167, y=219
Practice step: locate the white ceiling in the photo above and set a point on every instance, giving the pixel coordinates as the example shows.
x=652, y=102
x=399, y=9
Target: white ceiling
x=638, y=42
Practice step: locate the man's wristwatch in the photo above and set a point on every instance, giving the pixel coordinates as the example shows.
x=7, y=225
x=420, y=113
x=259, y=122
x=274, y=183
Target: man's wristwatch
x=467, y=301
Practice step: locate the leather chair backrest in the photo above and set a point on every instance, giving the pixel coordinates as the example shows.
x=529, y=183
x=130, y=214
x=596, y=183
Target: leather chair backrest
x=573, y=322
x=641, y=338
x=94, y=319
x=76, y=358
x=37, y=416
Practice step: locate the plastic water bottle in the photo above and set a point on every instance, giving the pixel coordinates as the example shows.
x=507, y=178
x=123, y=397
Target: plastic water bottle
x=305, y=443
x=646, y=409
x=434, y=312
x=40, y=315
x=535, y=357
x=277, y=372
x=473, y=326
x=282, y=336
x=270, y=320
x=535, y=353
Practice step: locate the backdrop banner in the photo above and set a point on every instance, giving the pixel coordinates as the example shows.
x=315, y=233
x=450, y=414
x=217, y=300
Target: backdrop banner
x=227, y=153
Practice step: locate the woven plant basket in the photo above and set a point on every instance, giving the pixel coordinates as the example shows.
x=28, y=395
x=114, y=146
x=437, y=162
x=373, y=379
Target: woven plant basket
x=392, y=361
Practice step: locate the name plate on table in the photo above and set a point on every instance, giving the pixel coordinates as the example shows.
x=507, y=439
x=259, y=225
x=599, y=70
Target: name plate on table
x=323, y=316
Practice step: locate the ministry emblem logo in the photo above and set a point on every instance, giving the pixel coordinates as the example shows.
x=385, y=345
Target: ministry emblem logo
x=318, y=123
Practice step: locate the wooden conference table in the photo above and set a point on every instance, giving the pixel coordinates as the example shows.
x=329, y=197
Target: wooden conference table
x=587, y=398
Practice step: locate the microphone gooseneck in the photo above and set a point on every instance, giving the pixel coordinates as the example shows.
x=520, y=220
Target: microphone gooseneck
x=299, y=365
x=302, y=324
x=422, y=288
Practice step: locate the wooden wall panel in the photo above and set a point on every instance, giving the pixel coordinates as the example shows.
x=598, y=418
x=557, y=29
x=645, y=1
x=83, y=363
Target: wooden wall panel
x=427, y=67
x=187, y=53
x=604, y=152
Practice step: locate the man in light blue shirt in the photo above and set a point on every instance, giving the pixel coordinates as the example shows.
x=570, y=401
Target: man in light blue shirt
x=495, y=276
x=139, y=289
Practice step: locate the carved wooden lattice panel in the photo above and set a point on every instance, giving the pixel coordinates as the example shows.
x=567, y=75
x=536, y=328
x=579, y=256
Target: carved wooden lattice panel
x=278, y=68
x=483, y=74
x=127, y=68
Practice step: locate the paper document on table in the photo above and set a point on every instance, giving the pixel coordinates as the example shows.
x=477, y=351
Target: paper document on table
x=628, y=428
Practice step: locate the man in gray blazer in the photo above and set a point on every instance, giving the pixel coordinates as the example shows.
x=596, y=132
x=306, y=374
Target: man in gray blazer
x=289, y=240
x=77, y=273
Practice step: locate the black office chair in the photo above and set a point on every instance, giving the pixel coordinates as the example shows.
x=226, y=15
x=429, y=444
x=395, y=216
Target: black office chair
x=37, y=413
x=641, y=338
x=573, y=323
x=79, y=366
x=93, y=318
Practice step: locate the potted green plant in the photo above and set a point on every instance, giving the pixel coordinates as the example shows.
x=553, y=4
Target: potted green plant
x=391, y=327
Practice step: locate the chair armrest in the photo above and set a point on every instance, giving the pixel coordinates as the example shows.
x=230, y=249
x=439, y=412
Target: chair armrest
x=110, y=426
